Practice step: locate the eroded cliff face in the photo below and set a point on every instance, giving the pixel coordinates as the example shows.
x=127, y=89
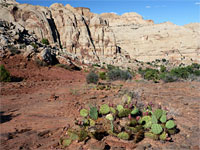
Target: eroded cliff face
x=146, y=41
x=75, y=30
x=106, y=38
x=87, y=35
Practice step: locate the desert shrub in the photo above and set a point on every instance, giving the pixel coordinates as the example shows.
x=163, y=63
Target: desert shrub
x=63, y=66
x=149, y=74
x=180, y=72
x=45, y=41
x=4, y=74
x=102, y=75
x=168, y=77
x=118, y=74
x=163, y=68
x=92, y=77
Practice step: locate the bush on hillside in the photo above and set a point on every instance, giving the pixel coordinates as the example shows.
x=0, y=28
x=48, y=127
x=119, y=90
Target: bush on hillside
x=4, y=74
x=92, y=77
x=118, y=74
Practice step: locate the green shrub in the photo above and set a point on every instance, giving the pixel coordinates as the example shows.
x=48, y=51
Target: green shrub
x=4, y=74
x=92, y=77
x=149, y=74
x=163, y=68
x=45, y=41
x=167, y=77
x=102, y=75
x=118, y=74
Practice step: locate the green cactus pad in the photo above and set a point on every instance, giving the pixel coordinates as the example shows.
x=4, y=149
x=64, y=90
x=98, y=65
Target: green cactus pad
x=135, y=111
x=163, y=118
x=104, y=109
x=73, y=136
x=156, y=128
x=123, y=135
x=163, y=136
x=110, y=117
x=112, y=110
x=151, y=135
x=158, y=113
x=66, y=142
x=93, y=113
x=84, y=112
x=124, y=112
x=119, y=107
x=92, y=122
x=146, y=120
x=170, y=124
x=154, y=119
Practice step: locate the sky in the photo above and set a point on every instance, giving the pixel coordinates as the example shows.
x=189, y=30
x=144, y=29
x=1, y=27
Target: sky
x=179, y=12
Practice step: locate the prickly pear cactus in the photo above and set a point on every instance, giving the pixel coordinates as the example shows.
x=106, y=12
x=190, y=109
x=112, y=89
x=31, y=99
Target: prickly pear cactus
x=123, y=135
x=151, y=135
x=66, y=142
x=163, y=136
x=124, y=112
x=110, y=117
x=84, y=112
x=119, y=107
x=112, y=110
x=170, y=124
x=104, y=109
x=163, y=118
x=93, y=113
x=147, y=121
x=156, y=128
x=135, y=111
x=154, y=119
x=158, y=113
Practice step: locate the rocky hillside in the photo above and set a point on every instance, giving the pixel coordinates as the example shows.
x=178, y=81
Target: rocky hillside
x=147, y=41
x=92, y=38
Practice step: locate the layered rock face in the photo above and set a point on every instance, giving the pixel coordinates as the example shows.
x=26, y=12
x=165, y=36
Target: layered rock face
x=87, y=35
x=106, y=38
x=146, y=41
x=76, y=30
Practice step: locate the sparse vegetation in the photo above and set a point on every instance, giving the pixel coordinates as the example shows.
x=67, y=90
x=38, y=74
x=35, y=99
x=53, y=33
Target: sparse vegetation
x=118, y=74
x=172, y=75
x=92, y=77
x=45, y=41
x=127, y=122
x=4, y=74
x=40, y=63
x=102, y=75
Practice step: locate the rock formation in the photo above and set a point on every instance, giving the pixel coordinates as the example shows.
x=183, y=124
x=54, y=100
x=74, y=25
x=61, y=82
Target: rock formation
x=146, y=41
x=91, y=38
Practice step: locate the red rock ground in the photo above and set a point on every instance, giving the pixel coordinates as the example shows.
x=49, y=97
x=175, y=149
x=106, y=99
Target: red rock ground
x=35, y=110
